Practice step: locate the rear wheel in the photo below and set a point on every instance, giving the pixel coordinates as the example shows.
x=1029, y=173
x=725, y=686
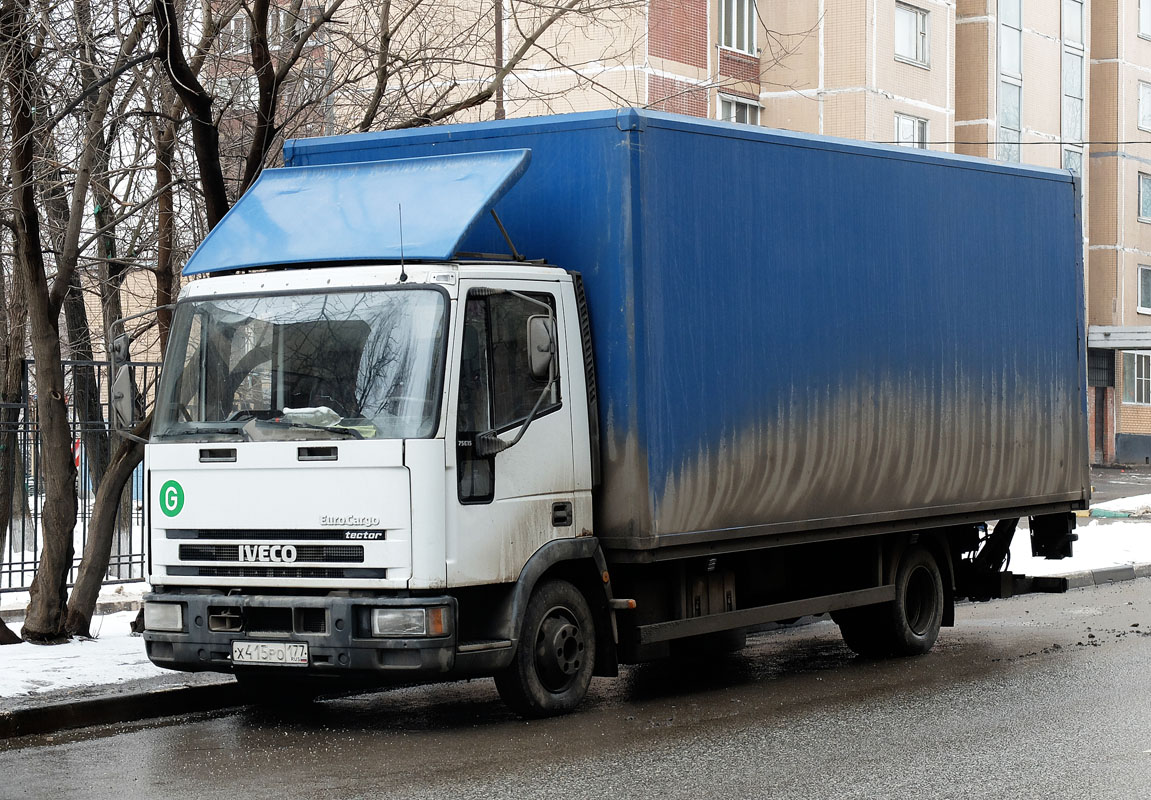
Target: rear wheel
x=553, y=664
x=909, y=624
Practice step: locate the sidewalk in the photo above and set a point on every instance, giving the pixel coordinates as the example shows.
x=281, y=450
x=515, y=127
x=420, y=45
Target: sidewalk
x=109, y=678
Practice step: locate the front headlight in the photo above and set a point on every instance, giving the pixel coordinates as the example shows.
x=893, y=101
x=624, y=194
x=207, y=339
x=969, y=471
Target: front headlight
x=163, y=616
x=409, y=621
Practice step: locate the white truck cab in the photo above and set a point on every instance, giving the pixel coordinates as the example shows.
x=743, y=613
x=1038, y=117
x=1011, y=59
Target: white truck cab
x=319, y=473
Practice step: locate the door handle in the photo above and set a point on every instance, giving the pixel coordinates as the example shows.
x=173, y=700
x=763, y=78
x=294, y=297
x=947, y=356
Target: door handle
x=561, y=515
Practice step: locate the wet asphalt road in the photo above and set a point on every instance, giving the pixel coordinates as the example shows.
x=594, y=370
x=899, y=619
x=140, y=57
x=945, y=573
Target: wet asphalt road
x=1111, y=483
x=1037, y=696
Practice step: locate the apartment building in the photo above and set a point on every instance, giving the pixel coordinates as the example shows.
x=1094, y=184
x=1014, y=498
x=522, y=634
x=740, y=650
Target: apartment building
x=1064, y=84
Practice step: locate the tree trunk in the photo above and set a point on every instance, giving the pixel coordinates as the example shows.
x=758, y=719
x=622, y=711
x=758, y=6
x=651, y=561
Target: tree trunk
x=7, y=636
x=165, y=230
x=13, y=318
x=110, y=496
x=85, y=389
x=44, y=620
x=205, y=134
x=82, y=604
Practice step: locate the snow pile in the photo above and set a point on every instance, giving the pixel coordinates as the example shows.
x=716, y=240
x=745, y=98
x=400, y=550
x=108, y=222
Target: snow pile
x=1138, y=505
x=114, y=657
x=1101, y=545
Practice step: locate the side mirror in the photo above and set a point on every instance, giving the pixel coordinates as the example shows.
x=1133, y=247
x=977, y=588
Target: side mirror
x=121, y=354
x=541, y=345
x=123, y=399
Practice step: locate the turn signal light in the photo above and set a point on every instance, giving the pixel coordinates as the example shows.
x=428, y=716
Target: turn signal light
x=437, y=621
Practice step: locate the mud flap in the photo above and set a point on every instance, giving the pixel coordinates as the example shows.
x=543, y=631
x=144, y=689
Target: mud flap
x=1052, y=535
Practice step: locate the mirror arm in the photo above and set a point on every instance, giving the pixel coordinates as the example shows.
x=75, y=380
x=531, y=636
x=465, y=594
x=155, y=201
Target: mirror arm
x=489, y=443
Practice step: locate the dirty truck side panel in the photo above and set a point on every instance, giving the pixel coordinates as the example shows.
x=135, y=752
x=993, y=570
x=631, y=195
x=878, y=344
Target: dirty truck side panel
x=795, y=333
x=860, y=334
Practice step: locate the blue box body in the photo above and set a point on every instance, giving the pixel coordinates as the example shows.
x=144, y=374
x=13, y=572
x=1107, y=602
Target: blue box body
x=794, y=333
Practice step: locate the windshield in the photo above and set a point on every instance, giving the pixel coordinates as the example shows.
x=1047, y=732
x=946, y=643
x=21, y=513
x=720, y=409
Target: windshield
x=347, y=365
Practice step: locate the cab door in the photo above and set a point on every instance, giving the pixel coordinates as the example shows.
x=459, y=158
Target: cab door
x=511, y=503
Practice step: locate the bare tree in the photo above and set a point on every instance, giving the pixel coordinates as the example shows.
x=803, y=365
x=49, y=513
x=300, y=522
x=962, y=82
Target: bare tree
x=161, y=142
x=27, y=70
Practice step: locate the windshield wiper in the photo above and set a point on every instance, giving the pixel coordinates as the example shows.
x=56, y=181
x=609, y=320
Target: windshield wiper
x=231, y=430
x=350, y=433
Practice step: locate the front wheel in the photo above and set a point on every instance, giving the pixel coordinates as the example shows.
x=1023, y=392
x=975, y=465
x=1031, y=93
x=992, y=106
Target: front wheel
x=553, y=664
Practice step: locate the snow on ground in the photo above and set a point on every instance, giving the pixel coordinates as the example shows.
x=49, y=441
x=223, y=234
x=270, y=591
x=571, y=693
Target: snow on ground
x=1138, y=504
x=18, y=601
x=1101, y=544
x=116, y=656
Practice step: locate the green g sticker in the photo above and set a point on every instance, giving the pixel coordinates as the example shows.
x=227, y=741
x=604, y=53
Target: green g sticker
x=171, y=498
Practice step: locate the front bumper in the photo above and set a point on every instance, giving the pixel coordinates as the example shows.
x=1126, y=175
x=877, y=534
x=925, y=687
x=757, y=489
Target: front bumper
x=333, y=628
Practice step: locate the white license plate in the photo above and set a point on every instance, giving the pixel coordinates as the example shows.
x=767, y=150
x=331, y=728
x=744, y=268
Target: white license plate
x=290, y=653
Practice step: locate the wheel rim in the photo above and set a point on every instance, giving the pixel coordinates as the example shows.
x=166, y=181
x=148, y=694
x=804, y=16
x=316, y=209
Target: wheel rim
x=920, y=600
x=559, y=650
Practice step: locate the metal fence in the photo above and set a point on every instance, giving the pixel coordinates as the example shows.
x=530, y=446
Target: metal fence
x=20, y=554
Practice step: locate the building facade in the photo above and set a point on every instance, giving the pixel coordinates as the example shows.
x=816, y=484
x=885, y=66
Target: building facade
x=1064, y=84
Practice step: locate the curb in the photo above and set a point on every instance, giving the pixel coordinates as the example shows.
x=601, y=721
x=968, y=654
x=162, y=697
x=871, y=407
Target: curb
x=1102, y=577
x=10, y=615
x=1105, y=513
x=166, y=702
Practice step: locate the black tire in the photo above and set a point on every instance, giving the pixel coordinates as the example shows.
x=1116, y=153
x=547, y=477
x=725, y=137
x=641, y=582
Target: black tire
x=553, y=664
x=908, y=625
x=860, y=629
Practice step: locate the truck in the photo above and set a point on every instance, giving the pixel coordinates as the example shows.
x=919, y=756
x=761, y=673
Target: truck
x=536, y=398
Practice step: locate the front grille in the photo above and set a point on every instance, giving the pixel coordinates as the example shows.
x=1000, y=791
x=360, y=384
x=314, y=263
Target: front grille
x=226, y=534
x=273, y=572
x=311, y=620
x=268, y=620
x=324, y=554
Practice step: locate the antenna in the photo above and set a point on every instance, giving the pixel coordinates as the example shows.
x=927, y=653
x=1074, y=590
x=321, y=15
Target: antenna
x=403, y=274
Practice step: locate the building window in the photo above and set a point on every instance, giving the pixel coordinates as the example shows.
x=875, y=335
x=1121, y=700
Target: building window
x=284, y=27
x=1144, y=290
x=1145, y=17
x=234, y=36
x=1100, y=367
x=1145, y=106
x=737, y=24
x=911, y=34
x=1137, y=378
x=1073, y=21
x=910, y=131
x=733, y=110
x=1010, y=120
x=1072, y=97
x=1011, y=37
x=1073, y=161
x=1144, y=197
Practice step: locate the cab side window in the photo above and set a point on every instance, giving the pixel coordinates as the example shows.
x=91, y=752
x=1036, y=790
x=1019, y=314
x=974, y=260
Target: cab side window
x=514, y=389
x=497, y=389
